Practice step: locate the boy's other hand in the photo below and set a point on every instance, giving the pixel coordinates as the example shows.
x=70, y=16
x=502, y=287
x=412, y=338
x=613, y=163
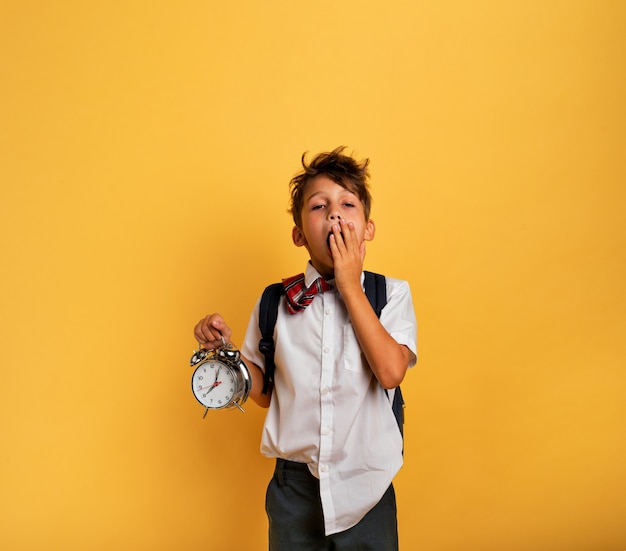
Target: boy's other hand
x=210, y=330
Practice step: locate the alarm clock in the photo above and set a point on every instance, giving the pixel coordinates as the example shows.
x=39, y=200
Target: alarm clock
x=221, y=379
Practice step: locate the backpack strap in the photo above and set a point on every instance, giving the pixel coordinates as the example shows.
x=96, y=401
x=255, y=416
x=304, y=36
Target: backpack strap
x=268, y=314
x=375, y=288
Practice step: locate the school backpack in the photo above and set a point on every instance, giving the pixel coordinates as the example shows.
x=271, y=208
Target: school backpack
x=376, y=292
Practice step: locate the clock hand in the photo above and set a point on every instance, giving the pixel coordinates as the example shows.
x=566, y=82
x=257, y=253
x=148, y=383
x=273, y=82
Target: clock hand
x=216, y=383
x=212, y=385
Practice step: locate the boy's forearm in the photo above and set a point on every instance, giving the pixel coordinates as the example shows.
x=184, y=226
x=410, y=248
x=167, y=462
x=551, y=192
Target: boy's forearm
x=387, y=358
x=256, y=393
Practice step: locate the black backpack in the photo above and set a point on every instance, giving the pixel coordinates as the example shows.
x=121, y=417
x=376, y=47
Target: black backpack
x=376, y=292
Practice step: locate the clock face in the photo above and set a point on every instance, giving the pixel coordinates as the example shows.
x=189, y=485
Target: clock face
x=213, y=384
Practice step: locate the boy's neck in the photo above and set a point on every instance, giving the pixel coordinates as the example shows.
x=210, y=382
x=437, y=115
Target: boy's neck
x=325, y=273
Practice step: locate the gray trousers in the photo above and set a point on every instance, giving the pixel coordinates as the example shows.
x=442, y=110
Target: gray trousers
x=296, y=522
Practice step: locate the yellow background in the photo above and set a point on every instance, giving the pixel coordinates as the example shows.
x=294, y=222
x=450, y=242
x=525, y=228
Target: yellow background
x=146, y=148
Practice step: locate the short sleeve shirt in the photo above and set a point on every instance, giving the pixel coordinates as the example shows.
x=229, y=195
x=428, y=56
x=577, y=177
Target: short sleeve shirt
x=327, y=408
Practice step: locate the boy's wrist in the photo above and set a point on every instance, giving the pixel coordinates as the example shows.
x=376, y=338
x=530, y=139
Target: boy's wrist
x=351, y=294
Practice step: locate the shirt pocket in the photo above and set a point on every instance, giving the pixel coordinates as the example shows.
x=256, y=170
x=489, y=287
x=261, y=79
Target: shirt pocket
x=352, y=355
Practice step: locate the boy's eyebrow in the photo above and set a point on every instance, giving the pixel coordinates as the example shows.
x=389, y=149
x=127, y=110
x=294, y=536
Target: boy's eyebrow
x=314, y=195
x=323, y=192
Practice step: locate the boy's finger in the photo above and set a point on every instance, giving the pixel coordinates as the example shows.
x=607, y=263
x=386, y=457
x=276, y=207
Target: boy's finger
x=338, y=235
x=208, y=333
x=334, y=246
x=348, y=232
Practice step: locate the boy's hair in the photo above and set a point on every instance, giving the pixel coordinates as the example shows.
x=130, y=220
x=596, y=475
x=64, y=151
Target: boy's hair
x=341, y=169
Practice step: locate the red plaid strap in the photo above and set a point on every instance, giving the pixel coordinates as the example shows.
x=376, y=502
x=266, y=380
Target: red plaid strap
x=298, y=295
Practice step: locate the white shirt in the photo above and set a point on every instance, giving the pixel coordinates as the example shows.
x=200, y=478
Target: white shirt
x=327, y=408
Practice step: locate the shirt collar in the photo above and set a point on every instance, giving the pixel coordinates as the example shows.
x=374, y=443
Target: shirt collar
x=312, y=274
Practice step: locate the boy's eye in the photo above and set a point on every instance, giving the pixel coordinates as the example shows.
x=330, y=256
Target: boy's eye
x=317, y=207
x=348, y=204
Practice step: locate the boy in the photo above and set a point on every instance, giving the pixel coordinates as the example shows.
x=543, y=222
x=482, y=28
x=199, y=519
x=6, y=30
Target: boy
x=330, y=425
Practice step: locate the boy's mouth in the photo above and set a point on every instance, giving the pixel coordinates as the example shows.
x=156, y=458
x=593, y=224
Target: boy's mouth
x=328, y=238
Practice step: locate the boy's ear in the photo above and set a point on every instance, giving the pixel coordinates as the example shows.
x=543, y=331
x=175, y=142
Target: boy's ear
x=298, y=237
x=370, y=230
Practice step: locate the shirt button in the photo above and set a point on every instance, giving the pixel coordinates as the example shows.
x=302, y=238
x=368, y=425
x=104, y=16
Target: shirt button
x=324, y=468
x=325, y=390
x=326, y=350
x=325, y=431
x=328, y=311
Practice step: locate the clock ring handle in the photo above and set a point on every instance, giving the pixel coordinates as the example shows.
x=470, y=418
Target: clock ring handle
x=202, y=352
x=200, y=346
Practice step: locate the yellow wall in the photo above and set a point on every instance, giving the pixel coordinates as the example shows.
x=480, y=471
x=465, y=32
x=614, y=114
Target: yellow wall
x=146, y=148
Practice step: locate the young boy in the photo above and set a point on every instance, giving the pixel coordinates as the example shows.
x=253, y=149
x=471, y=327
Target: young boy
x=330, y=425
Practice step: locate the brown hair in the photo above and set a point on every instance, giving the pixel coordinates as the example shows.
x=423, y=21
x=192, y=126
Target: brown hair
x=341, y=169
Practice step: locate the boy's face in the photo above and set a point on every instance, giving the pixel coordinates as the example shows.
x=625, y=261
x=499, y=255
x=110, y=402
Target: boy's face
x=325, y=204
